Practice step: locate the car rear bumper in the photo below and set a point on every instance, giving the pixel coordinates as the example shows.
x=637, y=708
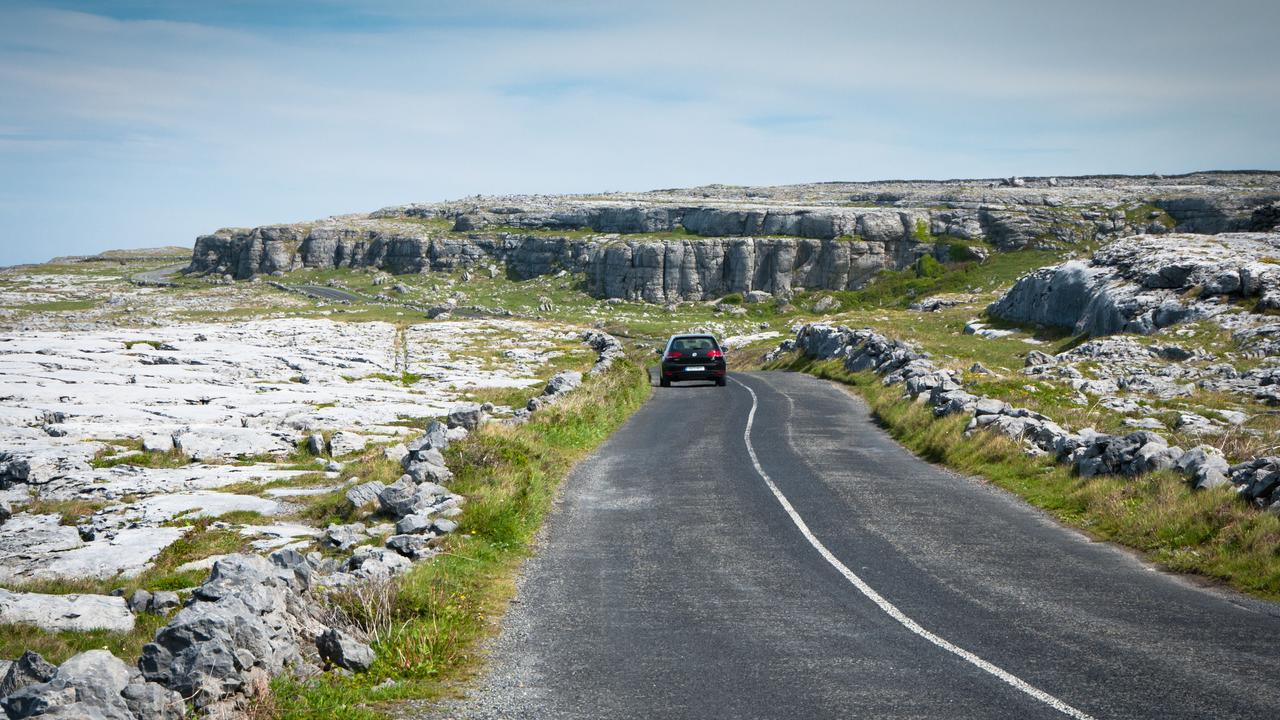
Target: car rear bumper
x=676, y=373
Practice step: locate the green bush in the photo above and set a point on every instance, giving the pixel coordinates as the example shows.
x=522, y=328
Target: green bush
x=928, y=267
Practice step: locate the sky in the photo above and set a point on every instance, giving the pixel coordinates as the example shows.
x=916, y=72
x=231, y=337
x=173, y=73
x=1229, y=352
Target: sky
x=145, y=123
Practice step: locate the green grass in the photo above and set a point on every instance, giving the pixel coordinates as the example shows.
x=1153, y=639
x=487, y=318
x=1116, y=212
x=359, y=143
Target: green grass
x=1145, y=214
x=58, y=306
x=1209, y=533
x=171, y=459
x=900, y=288
x=405, y=378
x=441, y=609
x=70, y=512
x=57, y=647
x=199, y=542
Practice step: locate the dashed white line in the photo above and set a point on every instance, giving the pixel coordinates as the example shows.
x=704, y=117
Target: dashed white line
x=889, y=608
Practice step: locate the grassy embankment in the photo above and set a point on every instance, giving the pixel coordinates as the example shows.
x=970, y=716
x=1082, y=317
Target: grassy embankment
x=425, y=626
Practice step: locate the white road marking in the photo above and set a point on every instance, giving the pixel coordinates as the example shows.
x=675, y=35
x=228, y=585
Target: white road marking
x=889, y=608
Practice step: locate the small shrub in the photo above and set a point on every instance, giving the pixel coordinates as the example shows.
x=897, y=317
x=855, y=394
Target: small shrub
x=928, y=267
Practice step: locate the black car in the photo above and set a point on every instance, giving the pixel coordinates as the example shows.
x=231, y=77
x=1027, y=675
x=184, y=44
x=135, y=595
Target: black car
x=692, y=357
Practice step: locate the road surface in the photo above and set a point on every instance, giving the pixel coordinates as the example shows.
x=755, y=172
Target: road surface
x=328, y=293
x=159, y=277
x=675, y=583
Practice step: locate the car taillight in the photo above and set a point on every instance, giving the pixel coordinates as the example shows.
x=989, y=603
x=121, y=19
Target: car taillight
x=715, y=354
x=672, y=355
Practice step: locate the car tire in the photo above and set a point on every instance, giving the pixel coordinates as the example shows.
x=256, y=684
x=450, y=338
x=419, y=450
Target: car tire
x=663, y=382
x=720, y=382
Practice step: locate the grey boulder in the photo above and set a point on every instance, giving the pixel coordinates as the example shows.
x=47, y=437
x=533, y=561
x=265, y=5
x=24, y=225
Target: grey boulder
x=341, y=650
x=364, y=493
x=150, y=701
x=30, y=669
x=563, y=381
x=467, y=415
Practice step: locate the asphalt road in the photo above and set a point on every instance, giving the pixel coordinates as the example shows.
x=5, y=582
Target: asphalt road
x=674, y=584
x=159, y=276
x=328, y=293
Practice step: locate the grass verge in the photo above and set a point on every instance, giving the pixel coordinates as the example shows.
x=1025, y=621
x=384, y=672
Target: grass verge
x=1206, y=533
x=426, y=630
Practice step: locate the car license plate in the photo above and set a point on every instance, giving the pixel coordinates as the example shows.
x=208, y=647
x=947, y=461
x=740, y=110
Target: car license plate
x=699, y=368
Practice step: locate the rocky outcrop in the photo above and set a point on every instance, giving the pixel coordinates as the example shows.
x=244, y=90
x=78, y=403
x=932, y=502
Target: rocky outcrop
x=1090, y=453
x=244, y=253
x=1142, y=283
x=725, y=240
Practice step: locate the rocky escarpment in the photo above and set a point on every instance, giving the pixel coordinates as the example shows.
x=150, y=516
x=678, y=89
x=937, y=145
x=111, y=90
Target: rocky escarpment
x=653, y=270
x=671, y=246
x=1143, y=283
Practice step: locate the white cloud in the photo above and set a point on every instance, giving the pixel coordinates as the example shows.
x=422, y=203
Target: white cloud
x=206, y=125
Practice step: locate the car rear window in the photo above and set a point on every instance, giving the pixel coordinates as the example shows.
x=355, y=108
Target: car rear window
x=690, y=344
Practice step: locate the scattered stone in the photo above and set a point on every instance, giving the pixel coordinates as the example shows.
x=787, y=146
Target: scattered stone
x=414, y=547
x=563, y=381
x=1035, y=358
x=30, y=669
x=395, y=453
x=151, y=701
x=375, y=563
x=154, y=443
x=443, y=526
x=6, y=511
x=244, y=620
x=164, y=601
x=467, y=415
x=1205, y=466
x=826, y=304
x=80, y=612
x=1193, y=424
x=341, y=650
x=413, y=524
x=140, y=602
x=1142, y=283
x=316, y=444
x=344, y=537
x=364, y=493
x=345, y=443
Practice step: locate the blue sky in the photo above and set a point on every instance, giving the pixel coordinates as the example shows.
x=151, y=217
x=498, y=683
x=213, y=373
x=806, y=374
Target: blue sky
x=135, y=124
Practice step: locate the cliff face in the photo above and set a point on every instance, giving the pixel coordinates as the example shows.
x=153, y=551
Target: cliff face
x=674, y=245
x=245, y=253
x=656, y=271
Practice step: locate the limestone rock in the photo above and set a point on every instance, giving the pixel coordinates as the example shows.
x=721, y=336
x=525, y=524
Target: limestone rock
x=151, y=701
x=88, y=685
x=246, y=618
x=563, y=381
x=414, y=547
x=157, y=443
x=346, y=443
x=66, y=612
x=1142, y=283
x=364, y=493
x=341, y=650
x=467, y=415
x=30, y=669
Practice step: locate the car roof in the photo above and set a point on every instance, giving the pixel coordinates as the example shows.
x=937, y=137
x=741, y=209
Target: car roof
x=692, y=335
